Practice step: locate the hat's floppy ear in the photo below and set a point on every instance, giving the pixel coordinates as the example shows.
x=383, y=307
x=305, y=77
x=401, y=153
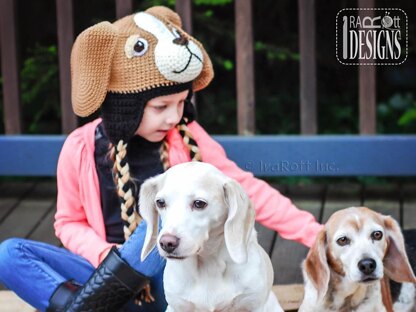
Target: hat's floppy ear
x=91, y=60
x=165, y=13
x=207, y=73
x=240, y=221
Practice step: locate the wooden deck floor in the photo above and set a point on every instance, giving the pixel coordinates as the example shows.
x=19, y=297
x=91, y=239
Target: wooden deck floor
x=27, y=210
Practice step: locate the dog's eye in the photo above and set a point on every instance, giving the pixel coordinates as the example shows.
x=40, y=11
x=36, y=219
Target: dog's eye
x=160, y=203
x=343, y=241
x=377, y=235
x=199, y=204
x=135, y=46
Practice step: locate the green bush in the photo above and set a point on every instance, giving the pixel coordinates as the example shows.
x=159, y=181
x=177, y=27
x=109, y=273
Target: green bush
x=40, y=91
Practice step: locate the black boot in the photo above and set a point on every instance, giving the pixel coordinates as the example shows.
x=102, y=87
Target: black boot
x=109, y=288
x=62, y=296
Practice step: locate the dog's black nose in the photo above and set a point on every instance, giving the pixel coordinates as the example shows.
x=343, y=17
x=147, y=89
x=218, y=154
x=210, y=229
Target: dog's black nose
x=169, y=243
x=367, y=265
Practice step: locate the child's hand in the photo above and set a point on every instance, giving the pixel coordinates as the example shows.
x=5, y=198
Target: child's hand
x=130, y=251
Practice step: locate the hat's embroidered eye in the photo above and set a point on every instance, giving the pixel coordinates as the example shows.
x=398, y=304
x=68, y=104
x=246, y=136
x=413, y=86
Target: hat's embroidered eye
x=135, y=46
x=176, y=33
x=140, y=47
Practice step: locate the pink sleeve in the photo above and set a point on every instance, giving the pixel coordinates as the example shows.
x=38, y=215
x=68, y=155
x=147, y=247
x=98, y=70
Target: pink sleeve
x=71, y=224
x=273, y=210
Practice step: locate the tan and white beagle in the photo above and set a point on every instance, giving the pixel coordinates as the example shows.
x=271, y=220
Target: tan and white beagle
x=343, y=269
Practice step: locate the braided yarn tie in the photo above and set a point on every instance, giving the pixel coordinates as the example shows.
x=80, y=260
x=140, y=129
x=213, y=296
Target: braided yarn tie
x=189, y=141
x=126, y=187
x=164, y=155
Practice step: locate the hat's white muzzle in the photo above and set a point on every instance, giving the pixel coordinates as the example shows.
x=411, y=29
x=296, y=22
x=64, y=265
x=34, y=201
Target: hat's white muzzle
x=179, y=63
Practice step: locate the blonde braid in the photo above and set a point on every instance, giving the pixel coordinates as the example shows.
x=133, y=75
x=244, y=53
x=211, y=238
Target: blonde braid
x=126, y=189
x=189, y=141
x=164, y=155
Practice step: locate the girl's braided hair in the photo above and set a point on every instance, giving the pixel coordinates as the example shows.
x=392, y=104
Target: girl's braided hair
x=127, y=189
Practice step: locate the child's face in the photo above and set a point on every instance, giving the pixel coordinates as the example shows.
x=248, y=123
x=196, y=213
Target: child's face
x=160, y=115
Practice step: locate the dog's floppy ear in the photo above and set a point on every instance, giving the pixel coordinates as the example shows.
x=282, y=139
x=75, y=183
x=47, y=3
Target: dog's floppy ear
x=396, y=263
x=147, y=209
x=240, y=221
x=91, y=60
x=316, y=264
x=164, y=13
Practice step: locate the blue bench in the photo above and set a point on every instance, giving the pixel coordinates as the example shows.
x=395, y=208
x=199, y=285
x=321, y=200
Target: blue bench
x=336, y=155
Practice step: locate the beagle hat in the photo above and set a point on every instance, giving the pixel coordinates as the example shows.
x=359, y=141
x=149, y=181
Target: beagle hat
x=141, y=52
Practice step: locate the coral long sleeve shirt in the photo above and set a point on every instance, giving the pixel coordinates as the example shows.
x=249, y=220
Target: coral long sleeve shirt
x=79, y=222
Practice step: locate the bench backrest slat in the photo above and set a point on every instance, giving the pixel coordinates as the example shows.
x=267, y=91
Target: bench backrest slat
x=381, y=155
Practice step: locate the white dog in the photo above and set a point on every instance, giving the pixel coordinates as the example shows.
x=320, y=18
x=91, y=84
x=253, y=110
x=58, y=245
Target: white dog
x=343, y=269
x=214, y=262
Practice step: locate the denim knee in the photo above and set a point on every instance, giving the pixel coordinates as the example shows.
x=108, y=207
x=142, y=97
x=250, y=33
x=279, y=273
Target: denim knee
x=9, y=251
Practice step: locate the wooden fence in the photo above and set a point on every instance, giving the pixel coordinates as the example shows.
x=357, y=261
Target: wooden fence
x=244, y=65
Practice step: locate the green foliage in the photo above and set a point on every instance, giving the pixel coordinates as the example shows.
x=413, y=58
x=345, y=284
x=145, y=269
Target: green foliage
x=40, y=91
x=401, y=109
x=276, y=67
x=408, y=117
x=275, y=53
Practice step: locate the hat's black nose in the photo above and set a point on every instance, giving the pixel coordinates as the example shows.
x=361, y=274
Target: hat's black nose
x=181, y=40
x=367, y=266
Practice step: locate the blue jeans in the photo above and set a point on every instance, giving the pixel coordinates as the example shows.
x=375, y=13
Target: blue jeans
x=33, y=270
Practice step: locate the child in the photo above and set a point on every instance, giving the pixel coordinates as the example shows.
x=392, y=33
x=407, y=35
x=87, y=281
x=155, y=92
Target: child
x=140, y=72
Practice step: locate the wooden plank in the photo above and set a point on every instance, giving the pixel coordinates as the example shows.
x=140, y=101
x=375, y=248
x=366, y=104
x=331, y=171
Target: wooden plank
x=11, y=193
x=287, y=256
x=10, y=302
x=123, y=8
x=384, y=199
x=23, y=218
x=65, y=28
x=44, y=231
x=409, y=206
x=308, y=115
x=367, y=99
x=10, y=67
x=245, y=68
x=28, y=213
x=290, y=296
x=184, y=9
x=367, y=82
x=340, y=196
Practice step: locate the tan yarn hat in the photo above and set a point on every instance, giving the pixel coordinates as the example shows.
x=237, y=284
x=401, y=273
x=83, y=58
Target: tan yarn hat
x=139, y=52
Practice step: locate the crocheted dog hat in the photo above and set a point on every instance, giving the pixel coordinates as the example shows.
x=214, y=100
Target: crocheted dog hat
x=120, y=66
